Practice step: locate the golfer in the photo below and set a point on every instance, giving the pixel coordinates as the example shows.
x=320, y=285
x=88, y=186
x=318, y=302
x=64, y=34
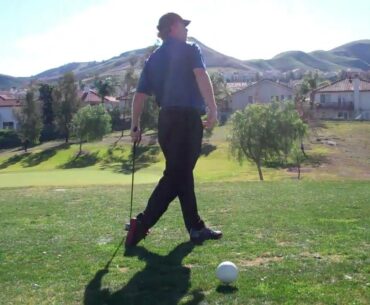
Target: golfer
x=176, y=75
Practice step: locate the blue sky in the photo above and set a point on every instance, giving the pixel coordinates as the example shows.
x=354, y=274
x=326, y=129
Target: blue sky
x=37, y=35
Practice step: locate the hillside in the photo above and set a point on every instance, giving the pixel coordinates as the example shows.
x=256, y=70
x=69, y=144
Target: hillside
x=354, y=55
x=7, y=82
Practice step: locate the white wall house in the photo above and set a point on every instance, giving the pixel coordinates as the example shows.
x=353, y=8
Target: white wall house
x=8, y=104
x=263, y=91
x=345, y=99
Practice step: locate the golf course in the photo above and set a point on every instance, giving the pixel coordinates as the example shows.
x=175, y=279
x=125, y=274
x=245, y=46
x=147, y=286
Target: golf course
x=294, y=241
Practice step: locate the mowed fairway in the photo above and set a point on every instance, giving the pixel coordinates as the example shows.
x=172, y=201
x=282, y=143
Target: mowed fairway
x=294, y=243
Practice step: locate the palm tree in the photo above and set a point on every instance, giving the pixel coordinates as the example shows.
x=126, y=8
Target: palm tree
x=104, y=88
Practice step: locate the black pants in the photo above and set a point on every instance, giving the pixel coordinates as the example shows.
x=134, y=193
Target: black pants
x=180, y=133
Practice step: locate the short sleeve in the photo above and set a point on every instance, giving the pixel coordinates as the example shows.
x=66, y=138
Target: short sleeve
x=196, y=57
x=144, y=82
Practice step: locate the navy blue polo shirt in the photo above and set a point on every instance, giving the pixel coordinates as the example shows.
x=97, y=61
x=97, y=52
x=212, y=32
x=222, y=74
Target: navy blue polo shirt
x=168, y=75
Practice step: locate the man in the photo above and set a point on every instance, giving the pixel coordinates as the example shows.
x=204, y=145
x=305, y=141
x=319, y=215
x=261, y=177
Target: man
x=175, y=74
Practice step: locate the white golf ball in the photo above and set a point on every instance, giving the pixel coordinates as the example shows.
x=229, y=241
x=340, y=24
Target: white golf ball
x=227, y=272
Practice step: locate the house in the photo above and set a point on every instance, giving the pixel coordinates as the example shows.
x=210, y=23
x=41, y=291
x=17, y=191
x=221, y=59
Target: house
x=91, y=97
x=344, y=99
x=263, y=91
x=8, y=103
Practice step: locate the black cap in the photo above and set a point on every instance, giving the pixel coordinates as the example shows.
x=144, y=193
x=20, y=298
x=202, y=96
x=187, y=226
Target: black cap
x=169, y=19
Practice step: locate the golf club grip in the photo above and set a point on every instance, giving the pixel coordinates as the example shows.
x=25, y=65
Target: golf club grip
x=135, y=129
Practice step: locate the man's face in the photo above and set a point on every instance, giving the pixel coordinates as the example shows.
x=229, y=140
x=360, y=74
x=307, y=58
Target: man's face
x=179, y=31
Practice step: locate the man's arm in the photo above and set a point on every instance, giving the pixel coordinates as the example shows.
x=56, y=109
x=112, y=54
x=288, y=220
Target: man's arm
x=137, y=109
x=206, y=89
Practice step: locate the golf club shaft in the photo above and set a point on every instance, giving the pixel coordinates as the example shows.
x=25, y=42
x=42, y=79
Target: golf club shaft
x=132, y=176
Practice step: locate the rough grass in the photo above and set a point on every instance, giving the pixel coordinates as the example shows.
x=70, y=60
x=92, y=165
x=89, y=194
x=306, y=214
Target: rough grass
x=109, y=161
x=294, y=243
x=348, y=158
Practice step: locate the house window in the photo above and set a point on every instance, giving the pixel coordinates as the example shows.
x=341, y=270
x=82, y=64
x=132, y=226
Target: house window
x=8, y=125
x=250, y=99
x=322, y=98
x=282, y=97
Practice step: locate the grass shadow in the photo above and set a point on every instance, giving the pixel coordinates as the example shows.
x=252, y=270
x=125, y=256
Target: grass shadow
x=32, y=159
x=82, y=160
x=277, y=164
x=315, y=160
x=37, y=158
x=226, y=289
x=145, y=156
x=13, y=160
x=163, y=280
x=207, y=148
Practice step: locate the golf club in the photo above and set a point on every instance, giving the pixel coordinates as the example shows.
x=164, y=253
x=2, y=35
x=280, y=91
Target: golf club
x=127, y=225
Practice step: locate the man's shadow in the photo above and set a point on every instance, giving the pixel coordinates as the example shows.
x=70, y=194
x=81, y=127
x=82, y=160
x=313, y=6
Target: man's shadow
x=164, y=280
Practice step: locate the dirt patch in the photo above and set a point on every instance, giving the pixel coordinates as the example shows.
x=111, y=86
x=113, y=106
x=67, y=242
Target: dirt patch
x=258, y=261
x=123, y=269
x=346, y=150
x=335, y=258
x=189, y=266
x=285, y=243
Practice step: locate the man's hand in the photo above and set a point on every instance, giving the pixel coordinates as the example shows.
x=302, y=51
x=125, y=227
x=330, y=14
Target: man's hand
x=211, y=120
x=136, y=135
x=206, y=89
x=137, y=109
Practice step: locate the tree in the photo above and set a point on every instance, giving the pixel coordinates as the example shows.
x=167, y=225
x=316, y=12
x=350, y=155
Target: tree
x=149, y=116
x=29, y=118
x=265, y=132
x=104, y=88
x=289, y=126
x=91, y=123
x=222, y=94
x=307, y=110
x=115, y=115
x=298, y=157
x=130, y=81
x=46, y=97
x=220, y=89
x=66, y=104
x=250, y=135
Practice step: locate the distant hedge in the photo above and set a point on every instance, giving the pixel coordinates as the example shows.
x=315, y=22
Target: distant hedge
x=9, y=139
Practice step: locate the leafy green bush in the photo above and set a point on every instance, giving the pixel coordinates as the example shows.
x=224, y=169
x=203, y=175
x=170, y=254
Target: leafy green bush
x=9, y=139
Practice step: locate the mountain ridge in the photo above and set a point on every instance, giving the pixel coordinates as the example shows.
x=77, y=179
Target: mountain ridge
x=354, y=55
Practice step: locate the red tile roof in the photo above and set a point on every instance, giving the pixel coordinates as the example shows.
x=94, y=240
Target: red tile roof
x=8, y=100
x=344, y=85
x=93, y=98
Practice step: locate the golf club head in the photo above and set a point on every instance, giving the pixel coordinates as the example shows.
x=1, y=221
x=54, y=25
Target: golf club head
x=127, y=226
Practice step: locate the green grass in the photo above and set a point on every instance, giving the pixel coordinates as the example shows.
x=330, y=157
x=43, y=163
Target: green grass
x=55, y=164
x=294, y=243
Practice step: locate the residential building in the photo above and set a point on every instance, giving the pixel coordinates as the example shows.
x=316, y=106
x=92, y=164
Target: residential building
x=345, y=99
x=91, y=97
x=263, y=91
x=8, y=103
